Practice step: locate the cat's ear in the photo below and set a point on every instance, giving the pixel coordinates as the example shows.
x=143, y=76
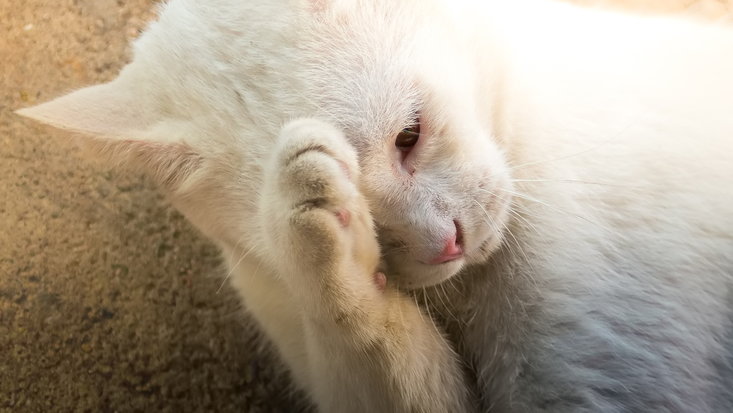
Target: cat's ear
x=123, y=128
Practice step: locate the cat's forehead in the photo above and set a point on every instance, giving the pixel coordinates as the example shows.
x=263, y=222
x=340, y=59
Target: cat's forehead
x=361, y=66
x=367, y=65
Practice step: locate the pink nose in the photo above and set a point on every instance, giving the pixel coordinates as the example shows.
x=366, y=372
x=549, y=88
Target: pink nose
x=451, y=251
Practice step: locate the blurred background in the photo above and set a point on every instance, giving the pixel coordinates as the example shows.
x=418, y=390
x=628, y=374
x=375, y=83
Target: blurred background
x=109, y=300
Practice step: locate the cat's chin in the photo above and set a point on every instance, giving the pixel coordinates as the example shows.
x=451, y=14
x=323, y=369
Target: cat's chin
x=411, y=275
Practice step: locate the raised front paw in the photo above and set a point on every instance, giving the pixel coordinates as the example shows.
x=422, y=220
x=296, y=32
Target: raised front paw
x=320, y=224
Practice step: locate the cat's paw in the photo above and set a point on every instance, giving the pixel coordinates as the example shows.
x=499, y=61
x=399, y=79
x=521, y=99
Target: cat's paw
x=320, y=222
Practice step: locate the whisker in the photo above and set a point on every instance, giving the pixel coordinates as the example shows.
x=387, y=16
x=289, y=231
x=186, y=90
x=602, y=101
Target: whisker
x=524, y=220
x=529, y=198
x=427, y=308
x=511, y=210
x=402, y=314
x=234, y=267
x=451, y=283
x=576, y=181
x=472, y=318
x=613, y=138
x=236, y=247
x=446, y=307
x=561, y=157
x=420, y=313
x=508, y=230
x=530, y=274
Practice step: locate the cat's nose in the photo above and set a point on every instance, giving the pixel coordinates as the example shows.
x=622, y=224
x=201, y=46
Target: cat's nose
x=451, y=251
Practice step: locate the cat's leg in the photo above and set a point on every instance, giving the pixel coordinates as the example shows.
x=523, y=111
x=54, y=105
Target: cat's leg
x=369, y=347
x=270, y=303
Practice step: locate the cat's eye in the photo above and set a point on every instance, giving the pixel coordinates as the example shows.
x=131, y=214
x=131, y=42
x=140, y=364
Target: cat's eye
x=408, y=137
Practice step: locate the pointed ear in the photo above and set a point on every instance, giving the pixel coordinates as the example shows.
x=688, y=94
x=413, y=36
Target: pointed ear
x=123, y=128
x=106, y=111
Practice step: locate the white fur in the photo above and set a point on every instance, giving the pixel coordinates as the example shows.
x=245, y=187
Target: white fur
x=586, y=155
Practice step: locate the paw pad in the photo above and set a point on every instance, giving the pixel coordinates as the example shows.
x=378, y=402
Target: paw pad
x=344, y=217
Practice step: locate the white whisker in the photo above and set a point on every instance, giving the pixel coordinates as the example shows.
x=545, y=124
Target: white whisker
x=524, y=221
x=234, y=267
x=561, y=157
x=529, y=198
x=575, y=181
x=447, y=298
x=492, y=224
x=613, y=138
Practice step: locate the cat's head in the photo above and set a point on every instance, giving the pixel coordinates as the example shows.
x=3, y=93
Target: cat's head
x=210, y=86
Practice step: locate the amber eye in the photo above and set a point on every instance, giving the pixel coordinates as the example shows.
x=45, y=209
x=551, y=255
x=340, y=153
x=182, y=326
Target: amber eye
x=408, y=137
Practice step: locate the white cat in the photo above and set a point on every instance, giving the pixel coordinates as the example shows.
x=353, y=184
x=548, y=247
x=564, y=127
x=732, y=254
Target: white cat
x=548, y=190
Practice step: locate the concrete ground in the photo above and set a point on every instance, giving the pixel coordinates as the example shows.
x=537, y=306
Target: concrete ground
x=109, y=300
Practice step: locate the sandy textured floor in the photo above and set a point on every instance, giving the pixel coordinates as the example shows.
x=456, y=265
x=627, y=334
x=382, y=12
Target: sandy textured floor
x=108, y=298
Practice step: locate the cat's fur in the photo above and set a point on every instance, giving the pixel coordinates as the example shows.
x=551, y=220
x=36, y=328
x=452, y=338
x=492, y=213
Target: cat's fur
x=586, y=156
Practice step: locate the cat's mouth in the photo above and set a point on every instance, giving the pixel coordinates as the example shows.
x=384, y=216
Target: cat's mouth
x=452, y=248
x=458, y=250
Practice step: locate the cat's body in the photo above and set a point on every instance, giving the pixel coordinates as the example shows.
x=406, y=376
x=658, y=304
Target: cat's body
x=579, y=160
